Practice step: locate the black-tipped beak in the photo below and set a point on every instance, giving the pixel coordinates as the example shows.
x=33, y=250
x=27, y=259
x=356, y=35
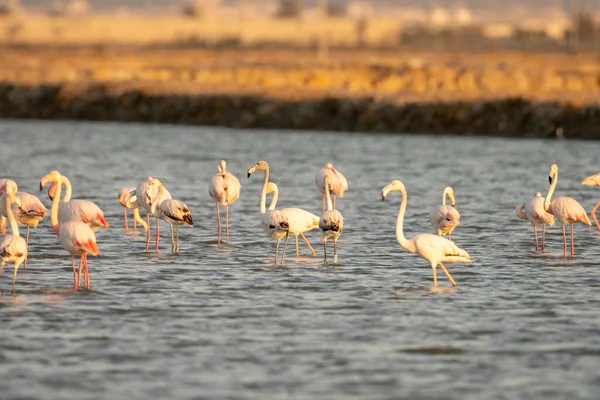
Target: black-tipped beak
x=41, y=187
x=187, y=218
x=550, y=179
x=382, y=197
x=249, y=174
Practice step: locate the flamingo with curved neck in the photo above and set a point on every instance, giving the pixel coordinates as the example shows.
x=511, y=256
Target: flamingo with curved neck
x=13, y=248
x=565, y=209
x=444, y=218
x=224, y=188
x=75, y=236
x=433, y=248
x=331, y=223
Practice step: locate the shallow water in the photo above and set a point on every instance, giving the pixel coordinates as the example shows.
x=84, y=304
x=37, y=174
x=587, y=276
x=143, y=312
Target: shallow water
x=225, y=322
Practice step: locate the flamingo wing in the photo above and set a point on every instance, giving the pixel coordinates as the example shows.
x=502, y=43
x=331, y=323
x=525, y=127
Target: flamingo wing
x=331, y=222
x=84, y=211
x=439, y=249
x=78, y=238
x=300, y=220
x=568, y=211
x=593, y=180
x=12, y=248
x=177, y=212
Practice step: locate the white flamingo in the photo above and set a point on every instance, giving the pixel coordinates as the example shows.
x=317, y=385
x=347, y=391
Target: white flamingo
x=145, y=192
x=338, y=183
x=533, y=211
x=565, y=209
x=13, y=248
x=30, y=212
x=224, y=188
x=76, y=237
x=279, y=223
x=174, y=212
x=331, y=223
x=433, y=248
x=445, y=218
x=593, y=180
x=125, y=199
x=77, y=209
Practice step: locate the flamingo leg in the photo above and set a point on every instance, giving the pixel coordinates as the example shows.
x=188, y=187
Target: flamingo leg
x=219, y=225
x=79, y=273
x=148, y=231
x=335, y=250
x=543, y=235
x=227, y=222
x=177, y=238
x=172, y=239
x=312, y=251
x=334, y=206
x=593, y=216
x=297, y=254
x=3, y=224
x=135, y=229
x=277, y=250
x=15, y=277
x=27, y=246
x=572, y=240
x=536, y=238
x=433, y=267
x=74, y=272
x=126, y=223
x=447, y=274
x=564, y=242
x=322, y=206
x=87, y=273
x=287, y=237
x=325, y=249
x=157, y=234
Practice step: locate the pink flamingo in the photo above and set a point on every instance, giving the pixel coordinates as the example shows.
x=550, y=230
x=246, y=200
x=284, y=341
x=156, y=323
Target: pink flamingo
x=593, y=180
x=76, y=236
x=30, y=212
x=445, y=218
x=331, y=223
x=174, y=212
x=78, y=209
x=338, y=183
x=565, y=209
x=125, y=200
x=433, y=248
x=533, y=211
x=13, y=248
x=224, y=188
x=145, y=193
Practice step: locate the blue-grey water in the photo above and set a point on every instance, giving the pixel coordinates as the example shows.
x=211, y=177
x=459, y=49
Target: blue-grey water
x=225, y=322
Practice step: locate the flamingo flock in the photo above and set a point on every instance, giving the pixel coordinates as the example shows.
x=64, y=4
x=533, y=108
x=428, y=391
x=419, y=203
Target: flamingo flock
x=75, y=221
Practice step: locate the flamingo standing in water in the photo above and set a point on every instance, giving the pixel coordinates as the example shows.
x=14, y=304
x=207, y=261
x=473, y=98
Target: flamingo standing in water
x=445, y=218
x=433, y=248
x=331, y=223
x=533, y=211
x=77, y=209
x=565, y=209
x=593, y=180
x=279, y=223
x=174, y=212
x=338, y=183
x=30, y=212
x=76, y=237
x=224, y=188
x=13, y=248
x=125, y=200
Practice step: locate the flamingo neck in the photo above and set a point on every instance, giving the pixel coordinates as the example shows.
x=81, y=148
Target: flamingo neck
x=156, y=200
x=328, y=196
x=263, y=193
x=68, y=189
x=136, y=216
x=444, y=194
x=405, y=243
x=274, y=200
x=14, y=227
x=550, y=191
x=54, y=208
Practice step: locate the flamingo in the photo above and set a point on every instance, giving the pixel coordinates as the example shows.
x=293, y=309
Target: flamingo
x=142, y=196
x=533, y=211
x=76, y=237
x=224, y=188
x=565, y=209
x=331, y=223
x=174, y=212
x=593, y=180
x=433, y=248
x=125, y=200
x=445, y=218
x=338, y=183
x=2, y=217
x=13, y=248
x=77, y=209
x=30, y=212
x=279, y=223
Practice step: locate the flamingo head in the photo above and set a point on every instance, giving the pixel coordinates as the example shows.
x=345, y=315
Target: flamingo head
x=9, y=186
x=53, y=176
x=154, y=191
x=448, y=191
x=123, y=194
x=222, y=166
x=593, y=180
x=395, y=186
x=553, y=173
x=538, y=194
x=259, y=166
x=329, y=166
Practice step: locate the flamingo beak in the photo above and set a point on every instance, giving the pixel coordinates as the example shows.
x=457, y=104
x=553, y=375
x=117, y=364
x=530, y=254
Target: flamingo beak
x=550, y=179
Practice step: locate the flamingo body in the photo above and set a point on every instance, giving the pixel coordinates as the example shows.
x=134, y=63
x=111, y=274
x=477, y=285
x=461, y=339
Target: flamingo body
x=534, y=212
x=338, y=183
x=224, y=188
x=593, y=180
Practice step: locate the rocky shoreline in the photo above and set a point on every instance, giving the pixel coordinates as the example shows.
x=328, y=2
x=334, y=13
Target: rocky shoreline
x=510, y=117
